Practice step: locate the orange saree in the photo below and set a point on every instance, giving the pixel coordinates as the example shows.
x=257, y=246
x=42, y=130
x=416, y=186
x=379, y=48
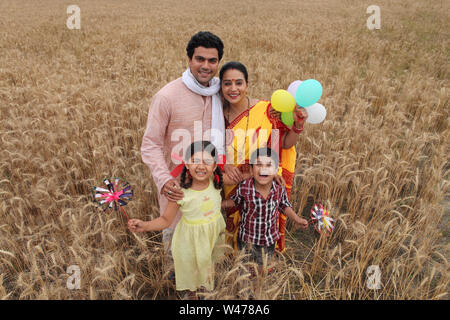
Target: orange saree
x=253, y=129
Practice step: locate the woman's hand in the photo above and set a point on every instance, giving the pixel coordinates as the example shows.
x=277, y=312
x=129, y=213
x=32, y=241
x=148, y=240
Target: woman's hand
x=280, y=180
x=300, y=116
x=136, y=225
x=274, y=113
x=233, y=173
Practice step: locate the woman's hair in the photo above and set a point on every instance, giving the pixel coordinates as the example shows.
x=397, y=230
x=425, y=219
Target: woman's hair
x=233, y=65
x=204, y=39
x=200, y=146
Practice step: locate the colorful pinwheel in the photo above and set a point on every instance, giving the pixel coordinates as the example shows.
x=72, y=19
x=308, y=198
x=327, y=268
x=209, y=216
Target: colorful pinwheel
x=322, y=220
x=116, y=196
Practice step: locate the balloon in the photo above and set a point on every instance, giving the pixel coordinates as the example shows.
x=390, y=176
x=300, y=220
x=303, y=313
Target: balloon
x=282, y=101
x=292, y=89
x=316, y=113
x=308, y=93
x=287, y=118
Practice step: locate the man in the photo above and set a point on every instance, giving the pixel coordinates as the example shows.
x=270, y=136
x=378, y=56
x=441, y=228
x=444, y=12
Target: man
x=174, y=109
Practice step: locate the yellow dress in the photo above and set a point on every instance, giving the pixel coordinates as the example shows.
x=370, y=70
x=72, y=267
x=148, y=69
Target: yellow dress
x=198, y=238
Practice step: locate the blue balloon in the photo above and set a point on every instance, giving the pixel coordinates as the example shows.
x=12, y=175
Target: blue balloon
x=308, y=93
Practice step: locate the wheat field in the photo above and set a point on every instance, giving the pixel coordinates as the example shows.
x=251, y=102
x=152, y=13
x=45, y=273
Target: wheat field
x=74, y=104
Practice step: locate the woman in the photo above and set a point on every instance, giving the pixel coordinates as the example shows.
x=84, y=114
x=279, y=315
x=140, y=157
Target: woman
x=253, y=123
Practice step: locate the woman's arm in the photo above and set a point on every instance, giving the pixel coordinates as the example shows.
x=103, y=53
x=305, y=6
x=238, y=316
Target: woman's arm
x=231, y=175
x=290, y=138
x=229, y=203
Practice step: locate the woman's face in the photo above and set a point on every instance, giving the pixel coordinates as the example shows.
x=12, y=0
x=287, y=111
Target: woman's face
x=234, y=86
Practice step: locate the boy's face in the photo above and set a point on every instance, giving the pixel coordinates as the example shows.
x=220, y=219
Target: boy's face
x=264, y=170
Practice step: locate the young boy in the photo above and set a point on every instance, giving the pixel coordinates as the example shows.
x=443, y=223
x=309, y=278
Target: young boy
x=258, y=198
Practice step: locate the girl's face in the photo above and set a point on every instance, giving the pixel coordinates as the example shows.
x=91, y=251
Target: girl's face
x=234, y=87
x=201, y=166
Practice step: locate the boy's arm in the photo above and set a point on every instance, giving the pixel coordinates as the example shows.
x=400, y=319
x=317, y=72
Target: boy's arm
x=286, y=207
x=290, y=213
x=165, y=220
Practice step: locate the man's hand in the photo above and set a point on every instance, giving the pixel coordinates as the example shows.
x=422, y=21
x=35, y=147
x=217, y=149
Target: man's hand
x=172, y=190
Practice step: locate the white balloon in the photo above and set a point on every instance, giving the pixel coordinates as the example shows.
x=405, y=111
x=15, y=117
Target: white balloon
x=292, y=89
x=316, y=113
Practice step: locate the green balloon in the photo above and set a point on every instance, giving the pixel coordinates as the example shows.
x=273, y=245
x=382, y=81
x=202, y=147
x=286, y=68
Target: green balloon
x=287, y=118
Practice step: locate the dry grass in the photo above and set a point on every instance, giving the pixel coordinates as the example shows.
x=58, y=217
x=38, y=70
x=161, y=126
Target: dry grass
x=74, y=105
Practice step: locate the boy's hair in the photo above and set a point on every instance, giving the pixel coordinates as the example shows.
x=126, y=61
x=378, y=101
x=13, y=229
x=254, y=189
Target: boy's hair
x=199, y=146
x=204, y=39
x=264, y=152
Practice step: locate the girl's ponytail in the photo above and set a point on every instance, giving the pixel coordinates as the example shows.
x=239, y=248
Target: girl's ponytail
x=218, y=178
x=185, y=184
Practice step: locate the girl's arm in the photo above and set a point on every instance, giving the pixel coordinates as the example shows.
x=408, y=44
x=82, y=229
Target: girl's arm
x=157, y=224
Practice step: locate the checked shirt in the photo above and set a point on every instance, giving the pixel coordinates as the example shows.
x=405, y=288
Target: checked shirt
x=259, y=216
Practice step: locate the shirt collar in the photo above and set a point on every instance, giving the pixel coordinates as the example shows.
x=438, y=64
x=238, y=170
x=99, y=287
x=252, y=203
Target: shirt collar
x=272, y=187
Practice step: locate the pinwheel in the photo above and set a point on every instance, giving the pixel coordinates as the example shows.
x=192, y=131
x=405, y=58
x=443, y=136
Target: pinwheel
x=321, y=219
x=115, y=196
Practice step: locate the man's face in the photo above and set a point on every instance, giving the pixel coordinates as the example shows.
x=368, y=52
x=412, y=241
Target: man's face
x=204, y=64
x=264, y=170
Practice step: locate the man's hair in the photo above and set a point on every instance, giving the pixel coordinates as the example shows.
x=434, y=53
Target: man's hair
x=264, y=152
x=204, y=39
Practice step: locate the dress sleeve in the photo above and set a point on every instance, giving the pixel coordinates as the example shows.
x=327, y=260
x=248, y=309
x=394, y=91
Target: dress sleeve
x=153, y=140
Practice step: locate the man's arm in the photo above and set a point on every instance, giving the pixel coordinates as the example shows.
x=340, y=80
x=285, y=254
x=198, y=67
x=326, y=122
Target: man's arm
x=153, y=140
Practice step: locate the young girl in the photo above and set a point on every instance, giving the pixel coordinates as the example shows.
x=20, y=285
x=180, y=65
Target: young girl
x=200, y=233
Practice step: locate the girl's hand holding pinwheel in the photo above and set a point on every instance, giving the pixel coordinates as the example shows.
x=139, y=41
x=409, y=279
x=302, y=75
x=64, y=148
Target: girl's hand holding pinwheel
x=136, y=225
